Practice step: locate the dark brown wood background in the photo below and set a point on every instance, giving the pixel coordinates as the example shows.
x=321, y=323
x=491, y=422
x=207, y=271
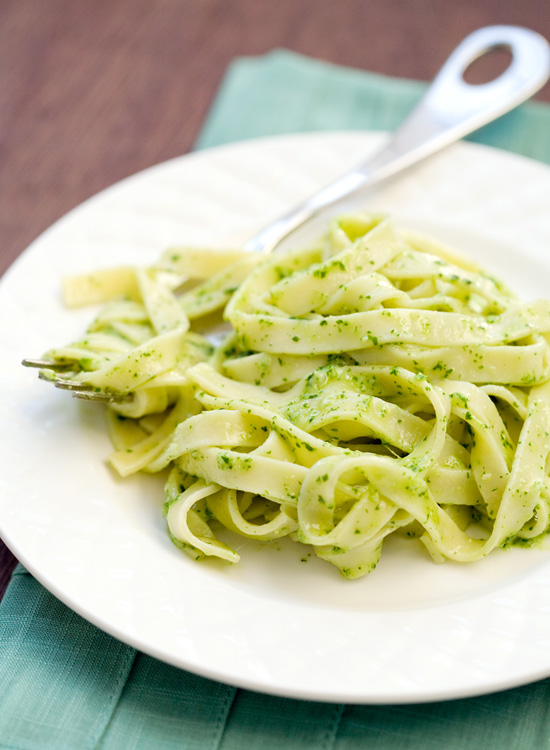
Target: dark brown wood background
x=94, y=90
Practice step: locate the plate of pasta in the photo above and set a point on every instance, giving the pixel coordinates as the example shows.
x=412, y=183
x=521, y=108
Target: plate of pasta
x=322, y=474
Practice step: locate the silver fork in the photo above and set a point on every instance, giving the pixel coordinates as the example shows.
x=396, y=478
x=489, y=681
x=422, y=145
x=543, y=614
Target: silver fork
x=450, y=109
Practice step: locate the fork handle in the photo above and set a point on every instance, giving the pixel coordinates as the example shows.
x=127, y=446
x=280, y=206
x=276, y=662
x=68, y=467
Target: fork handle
x=449, y=110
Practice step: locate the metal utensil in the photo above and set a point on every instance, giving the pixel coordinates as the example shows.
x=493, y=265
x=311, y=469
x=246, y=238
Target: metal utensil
x=450, y=109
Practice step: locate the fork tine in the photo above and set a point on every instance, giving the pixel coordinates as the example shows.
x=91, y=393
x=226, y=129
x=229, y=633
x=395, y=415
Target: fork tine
x=45, y=364
x=95, y=396
x=68, y=385
x=78, y=389
x=87, y=392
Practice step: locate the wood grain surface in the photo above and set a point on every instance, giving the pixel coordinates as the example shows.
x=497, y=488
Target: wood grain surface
x=94, y=90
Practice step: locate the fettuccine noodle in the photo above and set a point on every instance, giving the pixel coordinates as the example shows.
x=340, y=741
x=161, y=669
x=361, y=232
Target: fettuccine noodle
x=371, y=384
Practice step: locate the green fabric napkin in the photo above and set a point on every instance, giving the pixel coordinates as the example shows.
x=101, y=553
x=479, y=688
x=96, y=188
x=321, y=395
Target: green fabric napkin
x=65, y=684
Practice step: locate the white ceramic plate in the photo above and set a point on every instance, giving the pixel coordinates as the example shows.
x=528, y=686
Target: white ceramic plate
x=412, y=631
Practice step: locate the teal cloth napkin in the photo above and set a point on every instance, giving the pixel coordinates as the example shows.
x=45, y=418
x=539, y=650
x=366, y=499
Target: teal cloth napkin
x=64, y=684
x=283, y=92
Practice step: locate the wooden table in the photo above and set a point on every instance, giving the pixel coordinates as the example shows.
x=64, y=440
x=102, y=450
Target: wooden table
x=94, y=90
